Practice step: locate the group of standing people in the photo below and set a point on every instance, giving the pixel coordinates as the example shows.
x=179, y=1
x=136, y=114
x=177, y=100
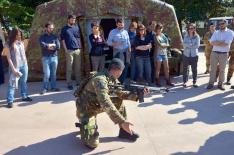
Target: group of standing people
x=50, y=45
x=142, y=48
x=219, y=47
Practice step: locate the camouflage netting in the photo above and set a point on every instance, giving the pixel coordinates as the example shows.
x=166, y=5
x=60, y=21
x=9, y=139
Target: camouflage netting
x=57, y=11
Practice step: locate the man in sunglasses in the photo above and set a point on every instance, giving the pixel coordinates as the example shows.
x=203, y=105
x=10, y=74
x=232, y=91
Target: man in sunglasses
x=221, y=41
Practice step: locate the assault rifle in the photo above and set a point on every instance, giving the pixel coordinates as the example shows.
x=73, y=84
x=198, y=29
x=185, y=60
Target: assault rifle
x=139, y=89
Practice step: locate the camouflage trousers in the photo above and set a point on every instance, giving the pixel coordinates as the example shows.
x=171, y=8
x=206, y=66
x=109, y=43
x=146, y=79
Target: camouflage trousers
x=87, y=118
x=230, y=68
x=207, y=55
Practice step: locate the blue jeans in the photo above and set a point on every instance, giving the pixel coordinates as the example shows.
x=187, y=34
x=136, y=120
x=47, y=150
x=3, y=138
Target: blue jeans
x=49, y=68
x=22, y=84
x=133, y=66
x=152, y=69
x=123, y=56
x=143, y=66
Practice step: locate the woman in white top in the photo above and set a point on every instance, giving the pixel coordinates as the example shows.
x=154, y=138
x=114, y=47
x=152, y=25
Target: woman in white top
x=18, y=67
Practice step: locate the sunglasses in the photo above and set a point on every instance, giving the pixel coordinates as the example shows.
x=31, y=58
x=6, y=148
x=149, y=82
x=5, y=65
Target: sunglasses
x=141, y=29
x=221, y=23
x=191, y=28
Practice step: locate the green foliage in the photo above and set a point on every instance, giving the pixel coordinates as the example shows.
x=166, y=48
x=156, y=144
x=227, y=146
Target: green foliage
x=197, y=10
x=18, y=13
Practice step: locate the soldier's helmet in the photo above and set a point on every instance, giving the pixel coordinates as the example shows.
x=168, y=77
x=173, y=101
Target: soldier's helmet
x=116, y=63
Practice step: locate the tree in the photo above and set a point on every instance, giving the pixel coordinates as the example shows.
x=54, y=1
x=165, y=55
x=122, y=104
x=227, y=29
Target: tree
x=195, y=10
x=18, y=12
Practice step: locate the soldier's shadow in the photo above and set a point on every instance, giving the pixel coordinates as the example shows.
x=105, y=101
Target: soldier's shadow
x=113, y=139
x=66, y=144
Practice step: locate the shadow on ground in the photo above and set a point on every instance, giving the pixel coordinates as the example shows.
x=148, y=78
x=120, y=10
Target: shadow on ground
x=174, y=97
x=220, y=144
x=216, y=109
x=67, y=144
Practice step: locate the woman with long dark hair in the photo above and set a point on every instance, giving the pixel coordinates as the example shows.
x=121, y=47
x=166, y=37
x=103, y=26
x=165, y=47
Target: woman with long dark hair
x=160, y=55
x=97, y=53
x=18, y=67
x=190, y=54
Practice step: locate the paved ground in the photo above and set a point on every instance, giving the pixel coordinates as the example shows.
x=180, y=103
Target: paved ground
x=192, y=121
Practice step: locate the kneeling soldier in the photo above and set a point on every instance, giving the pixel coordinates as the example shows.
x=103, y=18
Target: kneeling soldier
x=94, y=96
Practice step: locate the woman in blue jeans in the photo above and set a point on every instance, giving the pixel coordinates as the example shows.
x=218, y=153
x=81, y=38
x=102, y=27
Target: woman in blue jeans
x=142, y=47
x=190, y=54
x=18, y=67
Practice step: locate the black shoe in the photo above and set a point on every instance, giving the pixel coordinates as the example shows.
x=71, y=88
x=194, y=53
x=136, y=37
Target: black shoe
x=43, y=91
x=27, y=99
x=170, y=84
x=221, y=87
x=232, y=87
x=210, y=86
x=195, y=84
x=185, y=85
x=70, y=87
x=55, y=89
x=228, y=83
x=206, y=72
x=10, y=105
x=125, y=135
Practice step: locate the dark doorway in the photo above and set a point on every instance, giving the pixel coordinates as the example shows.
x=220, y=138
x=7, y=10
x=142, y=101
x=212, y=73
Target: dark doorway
x=107, y=25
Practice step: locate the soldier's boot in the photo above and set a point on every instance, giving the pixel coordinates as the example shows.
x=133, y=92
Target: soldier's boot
x=125, y=135
x=93, y=141
x=157, y=82
x=89, y=133
x=169, y=83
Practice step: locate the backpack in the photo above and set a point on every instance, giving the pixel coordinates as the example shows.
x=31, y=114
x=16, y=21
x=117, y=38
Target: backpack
x=83, y=83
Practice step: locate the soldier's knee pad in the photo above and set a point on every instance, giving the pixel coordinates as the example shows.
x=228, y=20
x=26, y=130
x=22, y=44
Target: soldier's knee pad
x=89, y=133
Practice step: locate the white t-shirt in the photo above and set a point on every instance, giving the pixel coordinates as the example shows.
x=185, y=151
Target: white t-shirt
x=226, y=36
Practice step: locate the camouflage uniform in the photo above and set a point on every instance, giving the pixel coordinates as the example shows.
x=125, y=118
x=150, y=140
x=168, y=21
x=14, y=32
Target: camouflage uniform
x=208, y=49
x=96, y=97
x=231, y=60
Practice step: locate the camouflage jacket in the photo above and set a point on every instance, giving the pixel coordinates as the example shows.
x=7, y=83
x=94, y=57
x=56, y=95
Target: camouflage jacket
x=231, y=27
x=206, y=40
x=96, y=97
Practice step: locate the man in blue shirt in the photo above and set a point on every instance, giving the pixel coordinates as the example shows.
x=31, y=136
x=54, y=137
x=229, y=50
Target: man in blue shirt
x=71, y=40
x=49, y=47
x=119, y=40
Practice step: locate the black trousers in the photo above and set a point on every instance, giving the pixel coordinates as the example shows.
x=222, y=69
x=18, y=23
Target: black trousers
x=187, y=61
